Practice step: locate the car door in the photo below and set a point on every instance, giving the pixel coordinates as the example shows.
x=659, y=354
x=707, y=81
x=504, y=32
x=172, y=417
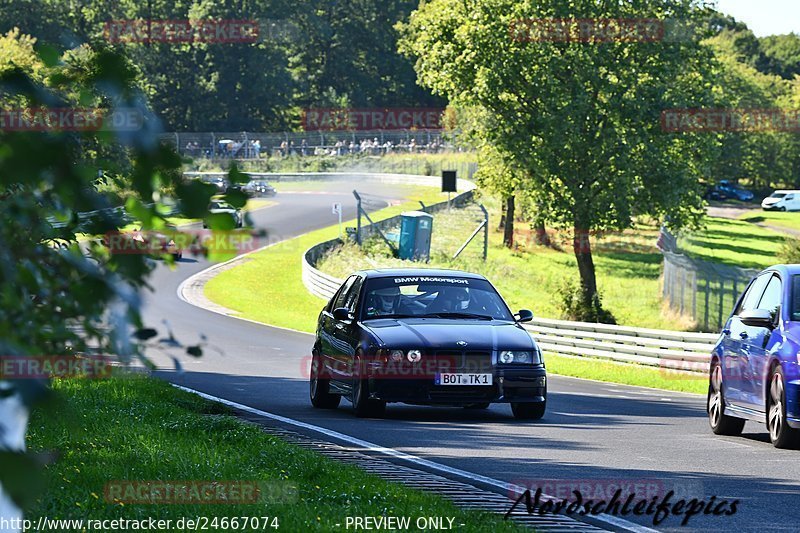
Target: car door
x=735, y=365
x=327, y=333
x=790, y=202
x=761, y=342
x=346, y=332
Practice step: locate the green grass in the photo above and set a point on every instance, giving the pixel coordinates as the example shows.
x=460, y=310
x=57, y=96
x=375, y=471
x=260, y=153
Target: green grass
x=284, y=301
x=735, y=243
x=787, y=220
x=628, y=374
x=141, y=429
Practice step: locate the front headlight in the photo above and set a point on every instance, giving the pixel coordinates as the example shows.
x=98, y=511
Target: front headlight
x=508, y=356
x=414, y=356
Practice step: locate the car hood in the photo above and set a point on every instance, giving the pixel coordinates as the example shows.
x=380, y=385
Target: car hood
x=217, y=211
x=438, y=334
x=770, y=201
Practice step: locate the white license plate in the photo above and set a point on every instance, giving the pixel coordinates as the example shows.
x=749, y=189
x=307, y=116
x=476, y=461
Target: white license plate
x=463, y=379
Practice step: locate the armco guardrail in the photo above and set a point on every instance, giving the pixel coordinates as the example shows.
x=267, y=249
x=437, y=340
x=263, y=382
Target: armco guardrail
x=670, y=350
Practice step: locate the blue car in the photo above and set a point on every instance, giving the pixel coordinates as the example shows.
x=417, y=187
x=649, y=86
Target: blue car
x=754, y=372
x=731, y=190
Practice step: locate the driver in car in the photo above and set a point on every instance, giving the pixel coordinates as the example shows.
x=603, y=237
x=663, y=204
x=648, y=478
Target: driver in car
x=383, y=301
x=450, y=300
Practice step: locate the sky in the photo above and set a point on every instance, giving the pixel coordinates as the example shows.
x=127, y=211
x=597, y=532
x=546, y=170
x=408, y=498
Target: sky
x=764, y=17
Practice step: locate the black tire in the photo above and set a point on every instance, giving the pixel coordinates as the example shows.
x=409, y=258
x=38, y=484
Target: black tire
x=780, y=433
x=319, y=389
x=363, y=406
x=476, y=406
x=721, y=424
x=528, y=411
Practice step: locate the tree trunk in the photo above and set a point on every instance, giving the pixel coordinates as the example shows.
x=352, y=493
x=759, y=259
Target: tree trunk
x=13, y=426
x=542, y=238
x=508, y=231
x=583, y=254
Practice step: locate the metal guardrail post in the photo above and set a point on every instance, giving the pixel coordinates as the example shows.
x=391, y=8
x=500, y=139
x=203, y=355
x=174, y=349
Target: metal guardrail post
x=358, y=217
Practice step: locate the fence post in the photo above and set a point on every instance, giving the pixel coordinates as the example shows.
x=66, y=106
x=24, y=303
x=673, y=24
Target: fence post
x=721, y=298
x=683, y=284
x=694, y=295
x=358, y=217
x=705, y=318
x=485, y=232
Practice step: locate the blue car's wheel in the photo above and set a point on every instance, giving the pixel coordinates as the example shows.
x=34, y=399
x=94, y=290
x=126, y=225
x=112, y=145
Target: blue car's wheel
x=721, y=424
x=781, y=435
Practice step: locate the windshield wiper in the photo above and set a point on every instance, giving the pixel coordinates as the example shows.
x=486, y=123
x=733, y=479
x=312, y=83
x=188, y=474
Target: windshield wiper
x=456, y=315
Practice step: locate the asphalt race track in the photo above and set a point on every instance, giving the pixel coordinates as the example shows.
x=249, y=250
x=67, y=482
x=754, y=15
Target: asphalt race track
x=595, y=433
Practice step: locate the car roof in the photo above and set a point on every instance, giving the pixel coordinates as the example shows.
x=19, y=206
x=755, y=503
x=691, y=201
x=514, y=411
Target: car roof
x=786, y=191
x=784, y=270
x=429, y=272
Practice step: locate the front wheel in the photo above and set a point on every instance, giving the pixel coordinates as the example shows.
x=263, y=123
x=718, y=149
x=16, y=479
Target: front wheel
x=528, y=411
x=363, y=406
x=321, y=397
x=721, y=424
x=781, y=435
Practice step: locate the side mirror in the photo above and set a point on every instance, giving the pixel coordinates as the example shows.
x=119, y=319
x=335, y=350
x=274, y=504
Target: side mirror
x=342, y=314
x=757, y=318
x=524, y=315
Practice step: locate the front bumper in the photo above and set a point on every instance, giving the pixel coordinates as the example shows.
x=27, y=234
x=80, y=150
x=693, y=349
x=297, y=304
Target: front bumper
x=528, y=385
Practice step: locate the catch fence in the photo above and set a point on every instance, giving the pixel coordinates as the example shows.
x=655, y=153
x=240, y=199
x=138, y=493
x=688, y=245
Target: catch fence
x=704, y=291
x=257, y=145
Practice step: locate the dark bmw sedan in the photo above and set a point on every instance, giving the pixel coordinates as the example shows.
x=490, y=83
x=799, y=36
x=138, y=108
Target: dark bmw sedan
x=427, y=337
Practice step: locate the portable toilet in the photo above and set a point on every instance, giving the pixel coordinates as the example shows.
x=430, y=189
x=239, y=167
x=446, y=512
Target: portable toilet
x=415, y=236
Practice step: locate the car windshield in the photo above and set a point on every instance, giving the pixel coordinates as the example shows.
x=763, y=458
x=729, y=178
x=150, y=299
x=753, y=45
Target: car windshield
x=448, y=297
x=778, y=195
x=219, y=205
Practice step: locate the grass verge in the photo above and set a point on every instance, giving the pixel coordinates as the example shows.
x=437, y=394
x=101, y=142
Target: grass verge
x=781, y=219
x=626, y=374
x=141, y=429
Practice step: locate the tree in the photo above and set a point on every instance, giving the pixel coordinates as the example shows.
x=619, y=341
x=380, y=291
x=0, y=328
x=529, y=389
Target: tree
x=581, y=117
x=59, y=297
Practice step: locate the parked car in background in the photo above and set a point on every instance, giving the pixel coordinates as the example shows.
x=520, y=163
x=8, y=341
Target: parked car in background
x=782, y=200
x=755, y=370
x=732, y=190
x=220, y=207
x=425, y=337
x=259, y=188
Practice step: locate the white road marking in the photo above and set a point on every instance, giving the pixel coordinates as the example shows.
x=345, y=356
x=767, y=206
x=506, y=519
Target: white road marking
x=506, y=487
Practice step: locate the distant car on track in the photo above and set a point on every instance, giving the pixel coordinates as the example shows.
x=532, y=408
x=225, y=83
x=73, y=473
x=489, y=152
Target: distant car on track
x=429, y=337
x=258, y=188
x=754, y=372
x=220, y=207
